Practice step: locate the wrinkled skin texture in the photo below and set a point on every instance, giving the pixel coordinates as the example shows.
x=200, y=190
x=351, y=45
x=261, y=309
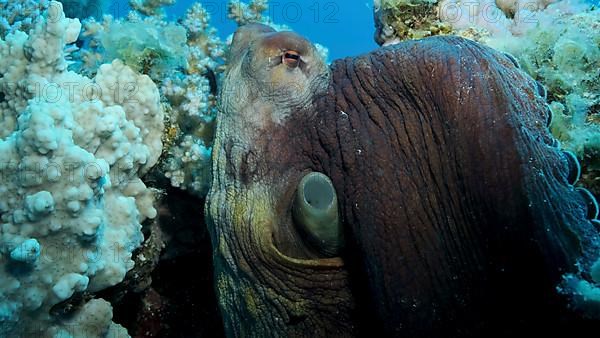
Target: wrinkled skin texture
x=457, y=213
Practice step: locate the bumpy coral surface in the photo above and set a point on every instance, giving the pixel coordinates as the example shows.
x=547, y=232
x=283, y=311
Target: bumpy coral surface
x=19, y=15
x=185, y=60
x=72, y=152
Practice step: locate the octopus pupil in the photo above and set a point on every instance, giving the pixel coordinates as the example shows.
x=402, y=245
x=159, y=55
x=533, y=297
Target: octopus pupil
x=292, y=56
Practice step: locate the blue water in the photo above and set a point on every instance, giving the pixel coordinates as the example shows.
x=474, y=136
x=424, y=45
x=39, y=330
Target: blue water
x=345, y=27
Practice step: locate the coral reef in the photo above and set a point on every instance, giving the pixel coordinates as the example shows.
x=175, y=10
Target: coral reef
x=19, y=15
x=397, y=20
x=185, y=60
x=192, y=97
x=145, y=46
x=243, y=13
x=73, y=150
x=150, y=7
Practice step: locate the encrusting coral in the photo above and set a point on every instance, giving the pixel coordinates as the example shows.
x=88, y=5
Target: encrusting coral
x=73, y=150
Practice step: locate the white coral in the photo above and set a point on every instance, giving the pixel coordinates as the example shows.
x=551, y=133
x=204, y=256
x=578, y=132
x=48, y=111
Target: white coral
x=71, y=197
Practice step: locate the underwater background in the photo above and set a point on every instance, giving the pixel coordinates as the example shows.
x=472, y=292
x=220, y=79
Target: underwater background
x=346, y=27
x=108, y=111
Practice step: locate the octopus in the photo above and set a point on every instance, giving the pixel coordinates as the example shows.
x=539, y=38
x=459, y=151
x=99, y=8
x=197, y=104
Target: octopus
x=413, y=191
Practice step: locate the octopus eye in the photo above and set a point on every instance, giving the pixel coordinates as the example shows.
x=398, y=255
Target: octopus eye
x=291, y=58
